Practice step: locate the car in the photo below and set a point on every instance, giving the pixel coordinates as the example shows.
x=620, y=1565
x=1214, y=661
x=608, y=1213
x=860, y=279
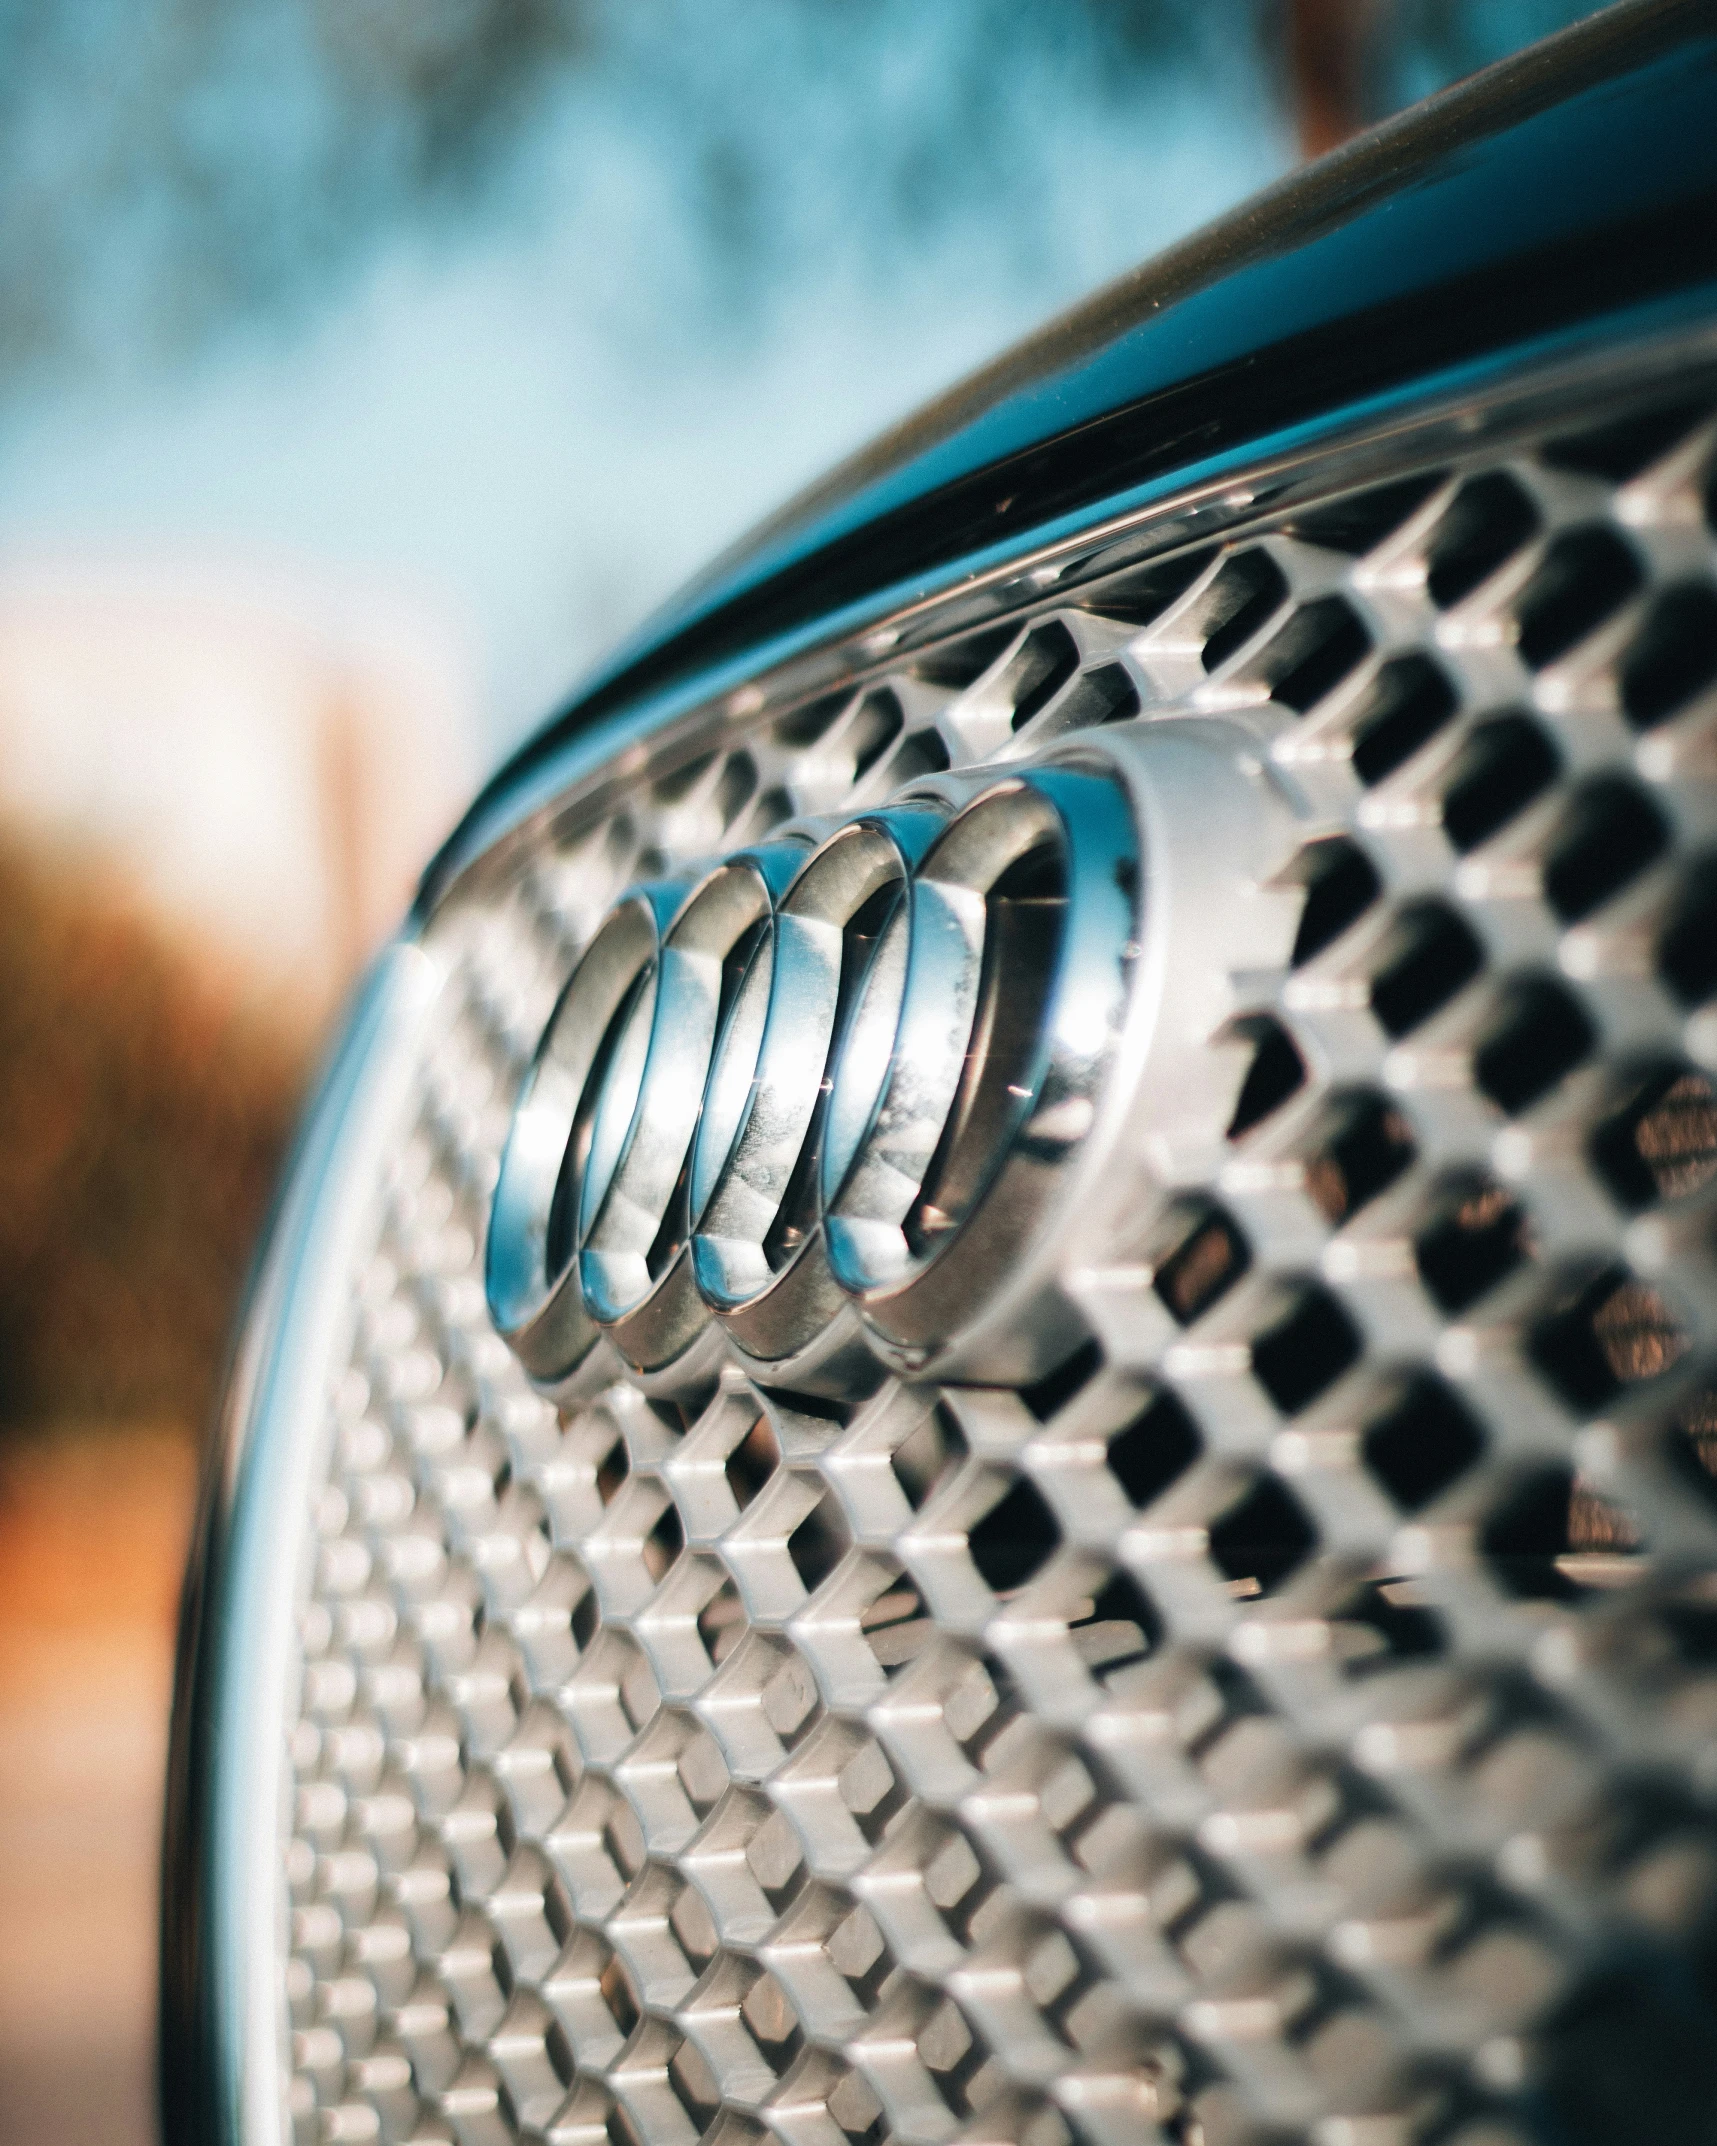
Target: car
x=982, y=1407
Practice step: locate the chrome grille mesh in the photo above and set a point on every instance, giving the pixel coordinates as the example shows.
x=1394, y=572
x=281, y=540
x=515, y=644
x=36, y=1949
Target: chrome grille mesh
x=1296, y=1717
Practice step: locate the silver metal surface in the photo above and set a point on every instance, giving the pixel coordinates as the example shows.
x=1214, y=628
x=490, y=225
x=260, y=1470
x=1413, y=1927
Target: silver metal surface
x=1207, y=1635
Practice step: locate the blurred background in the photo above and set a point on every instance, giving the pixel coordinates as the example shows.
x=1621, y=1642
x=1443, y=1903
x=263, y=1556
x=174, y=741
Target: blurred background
x=368, y=367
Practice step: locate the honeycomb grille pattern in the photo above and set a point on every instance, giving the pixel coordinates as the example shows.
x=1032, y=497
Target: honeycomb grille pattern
x=1296, y=1719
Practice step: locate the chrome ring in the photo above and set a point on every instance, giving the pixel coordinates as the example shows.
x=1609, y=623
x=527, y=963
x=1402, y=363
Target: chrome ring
x=818, y=1099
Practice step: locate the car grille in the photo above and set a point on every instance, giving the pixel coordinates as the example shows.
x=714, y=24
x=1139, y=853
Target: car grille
x=1292, y=1715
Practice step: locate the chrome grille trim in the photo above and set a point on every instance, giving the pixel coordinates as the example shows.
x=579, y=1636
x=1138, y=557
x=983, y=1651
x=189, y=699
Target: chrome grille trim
x=1000, y=1763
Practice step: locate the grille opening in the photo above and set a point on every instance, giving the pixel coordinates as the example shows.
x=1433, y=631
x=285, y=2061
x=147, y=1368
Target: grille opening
x=619, y=1995
x=1204, y=1266
x=1380, y=1624
x=1341, y=884
x=1305, y=1351
x=1121, y=1630
x=773, y=2022
x=586, y=1619
x=1662, y=1144
x=1616, y=1332
x=1687, y=952
x=1538, y=1035
x=1137, y=598
x=665, y=1541
x=876, y=724
x=704, y=1776
x=818, y=1543
x=1403, y=709
x=752, y=1462
x=1525, y=1539
x=676, y=786
x=694, y=2086
x=1585, y=576
x=961, y=663
x=1248, y=589
x=857, y=2111
x=1056, y=1388
x=1429, y=956
x=1047, y=659
x=1105, y=695
x=1364, y=1145
x=1158, y=1446
x=803, y=726
x=1487, y=521
x=677, y=1417
x=1476, y=1238
x=1620, y=450
x=775, y=1857
x=1317, y=648
x=1015, y=1539
x=1263, y=1540
x=1422, y=1443
x=1501, y=768
x=735, y=787
x=1690, y=1446
x=1359, y=522
x=1673, y=657
x=1024, y=913
x=896, y=1626
x=925, y=752
x=612, y=1470
x=951, y=2056
x=1277, y=1071
x=1631, y=2058
x=922, y=1461
x=772, y=807
x=1608, y=835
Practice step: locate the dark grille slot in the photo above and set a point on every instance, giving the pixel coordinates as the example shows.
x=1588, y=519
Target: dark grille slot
x=1431, y=956
x=1615, y=1333
x=1476, y=1239
x=1422, y=1443
x=1277, y=1071
x=1673, y=658
x=1539, y=1035
x=1341, y=885
x=1015, y=1539
x=1501, y=768
x=1609, y=834
x=1621, y=450
x=1585, y=576
x=1405, y=706
x=1314, y=651
x=1262, y=1541
x=1663, y=1145
x=1360, y=522
x=1488, y=521
x=1305, y=1351
x=1205, y=1265
x=1249, y=587
x=1136, y=599
x=874, y=729
x=962, y=662
x=1688, y=949
x=1043, y=666
x=1157, y=1446
x=1366, y=1148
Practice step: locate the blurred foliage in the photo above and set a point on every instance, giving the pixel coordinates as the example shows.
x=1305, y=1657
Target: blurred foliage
x=148, y=1107
x=168, y=166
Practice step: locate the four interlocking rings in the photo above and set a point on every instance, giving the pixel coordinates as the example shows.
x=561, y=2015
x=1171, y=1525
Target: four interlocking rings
x=822, y=1094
